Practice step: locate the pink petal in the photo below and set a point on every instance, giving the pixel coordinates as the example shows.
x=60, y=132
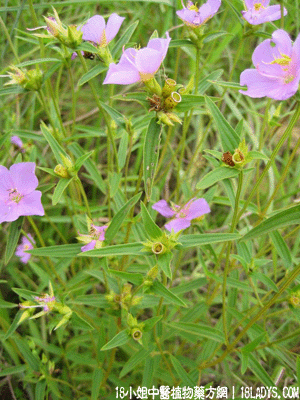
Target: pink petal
x=31, y=204
x=295, y=53
x=112, y=26
x=121, y=75
x=8, y=213
x=89, y=246
x=197, y=209
x=163, y=208
x=24, y=177
x=93, y=29
x=6, y=183
x=148, y=60
x=260, y=86
x=161, y=45
x=187, y=16
x=178, y=224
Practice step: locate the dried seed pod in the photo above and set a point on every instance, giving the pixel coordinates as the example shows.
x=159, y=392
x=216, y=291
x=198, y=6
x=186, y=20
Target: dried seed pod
x=227, y=159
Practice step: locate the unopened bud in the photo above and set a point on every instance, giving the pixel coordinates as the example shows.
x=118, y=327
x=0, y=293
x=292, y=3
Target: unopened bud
x=61, y=171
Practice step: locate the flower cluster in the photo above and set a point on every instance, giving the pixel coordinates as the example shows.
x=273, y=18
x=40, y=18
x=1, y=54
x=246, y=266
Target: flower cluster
x=194, y=17
x=23, y=247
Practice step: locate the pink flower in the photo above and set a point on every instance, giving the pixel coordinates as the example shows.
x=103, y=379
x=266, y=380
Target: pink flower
x=277, y=72
x=21, y=249
x=138, y=65
x=17, y=142
x=98, y=33
x=259, y=12
x=193, y=16
x=17, y=192
x=182, y=216
x=94, y=239
x=46, y=301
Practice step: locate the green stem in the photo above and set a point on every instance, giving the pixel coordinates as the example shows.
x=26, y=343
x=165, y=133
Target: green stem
x=82, y=191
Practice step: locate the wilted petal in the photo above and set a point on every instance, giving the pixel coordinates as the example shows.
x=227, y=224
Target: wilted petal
x=89, y=246
x=31, y=204
x=112, y=26
x=17, y=141
x=178, y=224
x=24, y=177
x=163, y=208
x=198, y=208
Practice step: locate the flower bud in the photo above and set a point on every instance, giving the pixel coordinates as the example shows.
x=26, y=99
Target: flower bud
x=172, y=101
x=164, y=119
x=169, y=87
x=174, y=117
x=153, y=86
x=62, y=171
x=74, y=37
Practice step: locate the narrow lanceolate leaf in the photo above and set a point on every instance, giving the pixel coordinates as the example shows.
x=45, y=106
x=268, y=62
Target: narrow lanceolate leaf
x=119, y=218
x=150, y=226
x=60, y=188
x=135, y=278
x=230, y=85
x=282, y=219
x=229, y=138
x=13, y=238
x=126, y=36
x=64, y=250
x=96, y=383
x=281, y=248
x=207, y=238
x=117, y=250
x=81, y=160
x=189, y=101
x=151, y=149
x=164, y=263
x=6, y=304
x=12, y=90
x=181, y=373
x=136, y=359
x=159, y=289
x=55, y=146
x=90, y=167
x=114, y=114
x=203, y=331
x=120, y=339
x=13, y=370
x=217, y=175
x=27, y=354
x=92, y=73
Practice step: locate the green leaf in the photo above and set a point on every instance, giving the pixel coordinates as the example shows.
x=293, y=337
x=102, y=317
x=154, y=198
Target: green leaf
x=214, y=36
x=180, y=43
x=114, y=114
x=164, y=263
x=90, y=167
x=181, y=373
x=119, y=218
x=64, y=250
x=190, y=101
x=136, y=279
x=136, y=359
x=117, y=250
x=29, y=358
x=229, y=138
x=260, y=372
x=124, y=39
x=92, y=73
x=79, y=322
x=151, y=322
x=6, y=304
x=96, y=383
x=4, y=138
x=257, y=155
x=37, y=61
x=151, y=150
x=81, y=160
x=61, y=186
x=13, y=238
x=13, y=325
x=230, y=85
x=207, y=238
x=265, y=280
x=253, y=344
x=281, y=219
x=282, y=248
x=55, y=146
x=120, y=339
x=159, y=289
x=217, y=175
x=40, y=389
x=150, y=226
x=203, y=331
x=93, y=300
x=13, y=370
x=12, y=90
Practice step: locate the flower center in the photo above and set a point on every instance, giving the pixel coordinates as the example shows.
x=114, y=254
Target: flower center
x=289, y=78
x=283, y=61
x=26, y=247
x=258, y=6
x=15, y=196
x=191, y=6
x=103, y=39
